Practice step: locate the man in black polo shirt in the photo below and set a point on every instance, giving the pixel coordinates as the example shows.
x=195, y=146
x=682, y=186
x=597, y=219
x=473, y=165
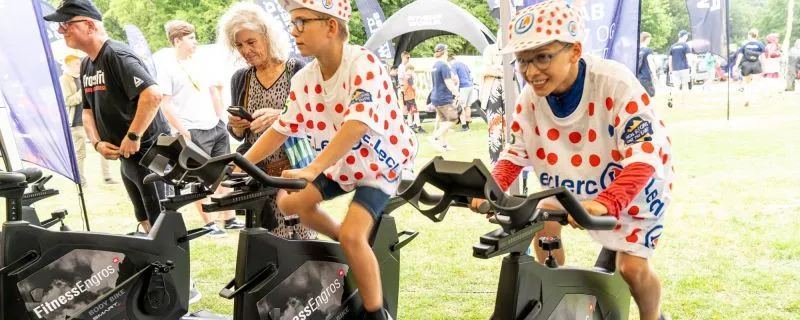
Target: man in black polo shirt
x=120, y=102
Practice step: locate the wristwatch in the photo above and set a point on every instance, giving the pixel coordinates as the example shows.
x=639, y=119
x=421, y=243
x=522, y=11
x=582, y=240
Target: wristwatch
x=133, y=136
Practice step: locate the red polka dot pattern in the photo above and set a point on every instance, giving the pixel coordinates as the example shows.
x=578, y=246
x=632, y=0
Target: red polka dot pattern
x=553, y=134
x=632, y=107
x=574, y=137
x=576, y=160
x=552, y=158
x=594, y=160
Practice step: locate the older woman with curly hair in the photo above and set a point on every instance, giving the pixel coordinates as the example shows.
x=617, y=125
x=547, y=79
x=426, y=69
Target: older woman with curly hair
x=262, y=89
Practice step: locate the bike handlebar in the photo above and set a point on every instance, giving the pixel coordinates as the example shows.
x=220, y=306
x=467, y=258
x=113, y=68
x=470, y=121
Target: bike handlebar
x=265, y=179
x=462, y=181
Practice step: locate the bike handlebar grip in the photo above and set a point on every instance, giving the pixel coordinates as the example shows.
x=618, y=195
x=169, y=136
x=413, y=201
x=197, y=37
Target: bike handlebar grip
x=430, y=199
x=484, y=207
x=501, y=220
x=580, y=215
x=152, y=177
x=275, y=182
x=237, y=175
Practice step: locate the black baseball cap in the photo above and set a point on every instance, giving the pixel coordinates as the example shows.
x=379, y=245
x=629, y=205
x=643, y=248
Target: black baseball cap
x=73, y=8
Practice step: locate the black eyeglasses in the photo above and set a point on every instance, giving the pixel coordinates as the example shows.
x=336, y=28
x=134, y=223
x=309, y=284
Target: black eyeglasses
x=540, y=61
x=64, y=25
x=300, y=23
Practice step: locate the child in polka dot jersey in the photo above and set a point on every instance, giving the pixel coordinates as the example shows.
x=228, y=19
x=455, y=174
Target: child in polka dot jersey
x=344, y=103
x=586, y=124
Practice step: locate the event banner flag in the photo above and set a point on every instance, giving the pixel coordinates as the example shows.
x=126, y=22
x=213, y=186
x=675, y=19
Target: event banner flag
x=709, y=26
x=612, y=29
x=138, y=43
x=274, y=9
x=372, y=17
x=30, y=88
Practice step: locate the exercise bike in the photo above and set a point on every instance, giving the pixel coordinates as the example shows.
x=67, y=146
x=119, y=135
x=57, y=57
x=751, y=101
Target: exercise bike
x=48, y=274
x=278, y=278
x=526, y=289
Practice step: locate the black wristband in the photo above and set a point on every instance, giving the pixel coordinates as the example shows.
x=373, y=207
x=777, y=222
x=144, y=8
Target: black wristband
x=96, y=143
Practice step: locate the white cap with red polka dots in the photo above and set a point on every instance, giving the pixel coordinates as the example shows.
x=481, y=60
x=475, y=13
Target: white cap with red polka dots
x=543, y=23
x=338, y=8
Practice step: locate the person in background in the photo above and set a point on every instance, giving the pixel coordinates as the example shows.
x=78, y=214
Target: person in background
x=772, y=57
x=401, y=75
x=465, y=91
x=444, y=93
x=401, y=68
x=678, y=64
x=409, y=94
x=121, y=114
x=262, y=88
x=395, y=78
x=491, y=97
x=192, y=103
x=793, y=67
x=645, y=69
x=73, y=99
x=748, y=58
x=730, y=68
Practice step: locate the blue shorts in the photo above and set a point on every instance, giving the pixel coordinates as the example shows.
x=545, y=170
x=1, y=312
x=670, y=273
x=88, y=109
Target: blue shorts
x=372, y=199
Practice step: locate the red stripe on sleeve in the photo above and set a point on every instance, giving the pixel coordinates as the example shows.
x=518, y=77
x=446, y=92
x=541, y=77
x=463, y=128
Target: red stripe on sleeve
x=632, y=179
x=505, y=172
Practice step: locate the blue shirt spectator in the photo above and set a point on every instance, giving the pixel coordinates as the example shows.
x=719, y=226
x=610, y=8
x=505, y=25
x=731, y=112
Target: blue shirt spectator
x=678, y=52
x=752, y=50
x=463, y=73
x=643, y=72
x=440, y=94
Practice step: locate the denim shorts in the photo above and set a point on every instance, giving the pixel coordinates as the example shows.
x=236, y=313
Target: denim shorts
x=372, y=199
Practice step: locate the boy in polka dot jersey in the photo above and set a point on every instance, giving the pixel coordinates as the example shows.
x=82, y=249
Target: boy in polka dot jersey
x=586, y=124
x=343, y=102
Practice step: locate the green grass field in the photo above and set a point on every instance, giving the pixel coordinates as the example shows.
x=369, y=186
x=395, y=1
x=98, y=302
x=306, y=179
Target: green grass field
x=731, y=248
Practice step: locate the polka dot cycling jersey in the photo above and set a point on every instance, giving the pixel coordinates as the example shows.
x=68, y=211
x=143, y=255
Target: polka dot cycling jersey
x=360, y=90
x=612, y=127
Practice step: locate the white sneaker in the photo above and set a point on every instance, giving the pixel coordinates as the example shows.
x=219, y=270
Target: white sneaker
x=216, y=232
x=194, y=294
x=436, y=146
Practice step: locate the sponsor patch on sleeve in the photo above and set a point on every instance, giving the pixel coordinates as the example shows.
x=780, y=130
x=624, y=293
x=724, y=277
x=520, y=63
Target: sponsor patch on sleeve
x=637, y=130
x=360, y=96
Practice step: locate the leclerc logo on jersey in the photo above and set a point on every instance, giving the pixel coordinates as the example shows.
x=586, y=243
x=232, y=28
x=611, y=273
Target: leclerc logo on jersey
x=582, y=186
x=610, y=173
x=377, y=145
x=651, y=238
x=137, y=82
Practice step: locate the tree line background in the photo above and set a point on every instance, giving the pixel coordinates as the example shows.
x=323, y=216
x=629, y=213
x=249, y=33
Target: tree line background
x=662, y=18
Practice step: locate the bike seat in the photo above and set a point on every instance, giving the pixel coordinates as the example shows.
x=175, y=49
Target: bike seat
x=31, y=174
x=11, y=178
